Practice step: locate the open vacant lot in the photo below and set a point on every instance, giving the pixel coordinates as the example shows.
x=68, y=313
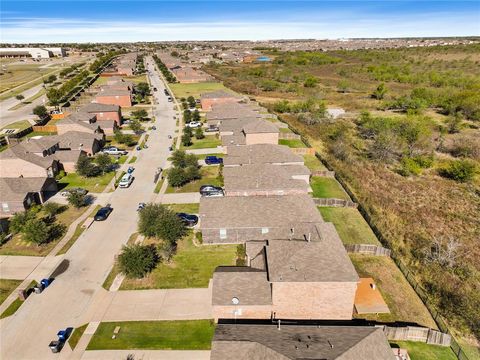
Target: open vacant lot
x=192, y=266
x=186, y=90
x=157, y=335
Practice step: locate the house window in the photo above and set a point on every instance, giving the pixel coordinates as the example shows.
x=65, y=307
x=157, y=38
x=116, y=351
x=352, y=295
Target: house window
x=223, y=233
x=5, y=207
x=264, y=231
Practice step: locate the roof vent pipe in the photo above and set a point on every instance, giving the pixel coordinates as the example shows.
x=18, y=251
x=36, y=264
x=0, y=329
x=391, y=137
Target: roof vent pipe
x=278, y=324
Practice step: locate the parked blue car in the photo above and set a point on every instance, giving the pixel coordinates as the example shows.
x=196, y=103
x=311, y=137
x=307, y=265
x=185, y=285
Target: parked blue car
x=213, y=160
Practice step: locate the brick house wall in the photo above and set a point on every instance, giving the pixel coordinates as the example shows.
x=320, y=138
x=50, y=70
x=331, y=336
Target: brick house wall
x=306, y=300
x=243, y=312
x=262, y=138
x=120, y=100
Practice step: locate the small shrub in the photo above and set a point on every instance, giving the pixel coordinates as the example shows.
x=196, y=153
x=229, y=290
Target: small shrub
x=199, y=237
x=459, y=170
x=409, y=167
x=135, y=261
x=76, y=199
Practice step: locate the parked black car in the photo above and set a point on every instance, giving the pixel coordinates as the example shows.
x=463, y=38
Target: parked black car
x=188, y=219
x=103, y=213
x=74, y=190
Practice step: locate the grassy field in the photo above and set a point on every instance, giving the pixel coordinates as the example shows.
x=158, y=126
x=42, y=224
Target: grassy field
x=94, y=184
x=403, y=302
x=209, y=141
x=191, y=267
x=21, y=125
x=154, y=335
x=76, y=335
x=186, y=208
x=324, y=187
x=422, y=351
x=19, y=74
x=293, y=143
x=186, y=90
x=18, y=246
x=350, y=225
x=209, y=177
x=6, y=288
x=313, y=163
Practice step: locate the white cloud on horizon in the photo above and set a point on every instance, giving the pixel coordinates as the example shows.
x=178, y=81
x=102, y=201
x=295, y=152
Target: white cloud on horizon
x=23, y=30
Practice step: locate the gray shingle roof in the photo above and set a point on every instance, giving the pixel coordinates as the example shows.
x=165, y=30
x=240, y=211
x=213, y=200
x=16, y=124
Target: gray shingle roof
x=249, y=285
x=96, y=107
x=15, y=189
x=109, y=91
x=266, y=342
x=19, y=152
x=68, y=155
x=261, y=154
x=260, y=126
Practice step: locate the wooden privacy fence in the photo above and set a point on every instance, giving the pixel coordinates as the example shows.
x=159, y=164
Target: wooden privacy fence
x=334, y=202
x=368, y=249
x=303, y=151
x=324, y=173
x=289, y=136
x=414, y=333
x=45, y=128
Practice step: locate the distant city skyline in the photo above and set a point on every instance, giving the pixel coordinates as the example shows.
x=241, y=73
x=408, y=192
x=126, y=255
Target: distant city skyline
x=129, y=21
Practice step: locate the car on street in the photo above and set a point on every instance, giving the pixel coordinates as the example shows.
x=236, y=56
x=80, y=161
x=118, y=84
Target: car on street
x=103, y=213
x=154, y=127
x=126, y=180
x=194, y=124
x=114, y=151
x=74, y=190
x=169, y=99
x=141, y=206
x=154, y=89
x=188, y=219
x=165, y=91
x=130, y=169
x=213, y=160
x=212, y=128
x=211, y=191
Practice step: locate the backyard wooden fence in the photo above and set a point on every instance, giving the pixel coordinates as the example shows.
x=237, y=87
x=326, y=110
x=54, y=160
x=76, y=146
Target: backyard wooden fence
x=45, y=128
x=415, y=333
x=369, y=249
x=289, y=136
x=332, y=202
x=303, y=151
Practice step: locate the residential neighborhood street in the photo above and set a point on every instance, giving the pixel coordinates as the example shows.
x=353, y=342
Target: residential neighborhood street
x=27, y=333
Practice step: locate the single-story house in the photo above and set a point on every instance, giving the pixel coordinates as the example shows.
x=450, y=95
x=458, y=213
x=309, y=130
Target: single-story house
x=237, y=219
x=104, y=112
x=19, y=194
x=77, y=140
x=291, y=278
x=299, y=342
x=207, y=100
x=253, y=132
x=266, y=180
x=79, y=121
x=261, y=154
x=116, y=97
x=221, y=112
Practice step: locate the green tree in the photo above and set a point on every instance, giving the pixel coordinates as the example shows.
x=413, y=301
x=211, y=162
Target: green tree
x=156, y=220
x=196, y=115
x=379, y=92
x=141, y=115
x=19, y=97
x=199, y=133
x=41, y=111
x=36, y=231
x=191, y=101
x=136, y=126
x=186, y=139
x=142, y=89
x=104, y=162
x=54, y=96
x=52, y=78
x=18, y=221
x=459, y=170
x=136, y=260
x=51, y=209
x=177, y=176
x=86, y=167
x=77, y=199
x=187, y=116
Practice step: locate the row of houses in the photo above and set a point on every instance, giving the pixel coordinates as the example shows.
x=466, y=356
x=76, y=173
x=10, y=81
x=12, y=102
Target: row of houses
x=296, y=265
x=184, y=72
x=29, y=167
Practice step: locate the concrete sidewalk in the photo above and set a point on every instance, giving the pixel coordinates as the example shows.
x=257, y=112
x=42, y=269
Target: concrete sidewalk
x=215, y=150
x=147, y=354
x=180, y=198
x=18, y=267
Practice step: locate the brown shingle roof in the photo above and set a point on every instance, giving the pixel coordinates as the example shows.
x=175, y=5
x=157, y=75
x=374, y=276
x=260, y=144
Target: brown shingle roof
x=96, y=107
x=260, y=126
x=109, y=91
x=267, y=342
x=249, y=285
x=15, y=189
x=261, y=154
x=18, y=151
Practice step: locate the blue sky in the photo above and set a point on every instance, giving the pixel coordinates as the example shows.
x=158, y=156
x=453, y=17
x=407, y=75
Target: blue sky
x=117, y=20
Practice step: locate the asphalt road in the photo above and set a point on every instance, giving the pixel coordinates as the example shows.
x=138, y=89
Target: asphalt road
x=23, y=113
x=72, y=295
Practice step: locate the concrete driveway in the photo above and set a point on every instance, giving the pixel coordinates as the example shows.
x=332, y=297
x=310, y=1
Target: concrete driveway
x=18, y=267
x=216, y=150
x=180, y=198
x=26, y=334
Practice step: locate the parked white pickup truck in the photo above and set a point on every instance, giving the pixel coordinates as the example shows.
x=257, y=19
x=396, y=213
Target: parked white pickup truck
x=114, y=151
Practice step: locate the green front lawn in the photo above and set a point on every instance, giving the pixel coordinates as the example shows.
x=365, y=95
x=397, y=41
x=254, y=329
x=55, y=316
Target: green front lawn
x=21, y=125
x=77, y=334
x=209, y=141
x=154, y=335
x=110, y=141
x=132, y=160
x=92, y=184
x=186, y=208
x=209, y=177
x=6, y=288
x=293, y=143
x=186, y=90
x=15, y=305
x=422, y=351
x=324, y=187
x=191, y=267
x=350, y=225
x=313, y=163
